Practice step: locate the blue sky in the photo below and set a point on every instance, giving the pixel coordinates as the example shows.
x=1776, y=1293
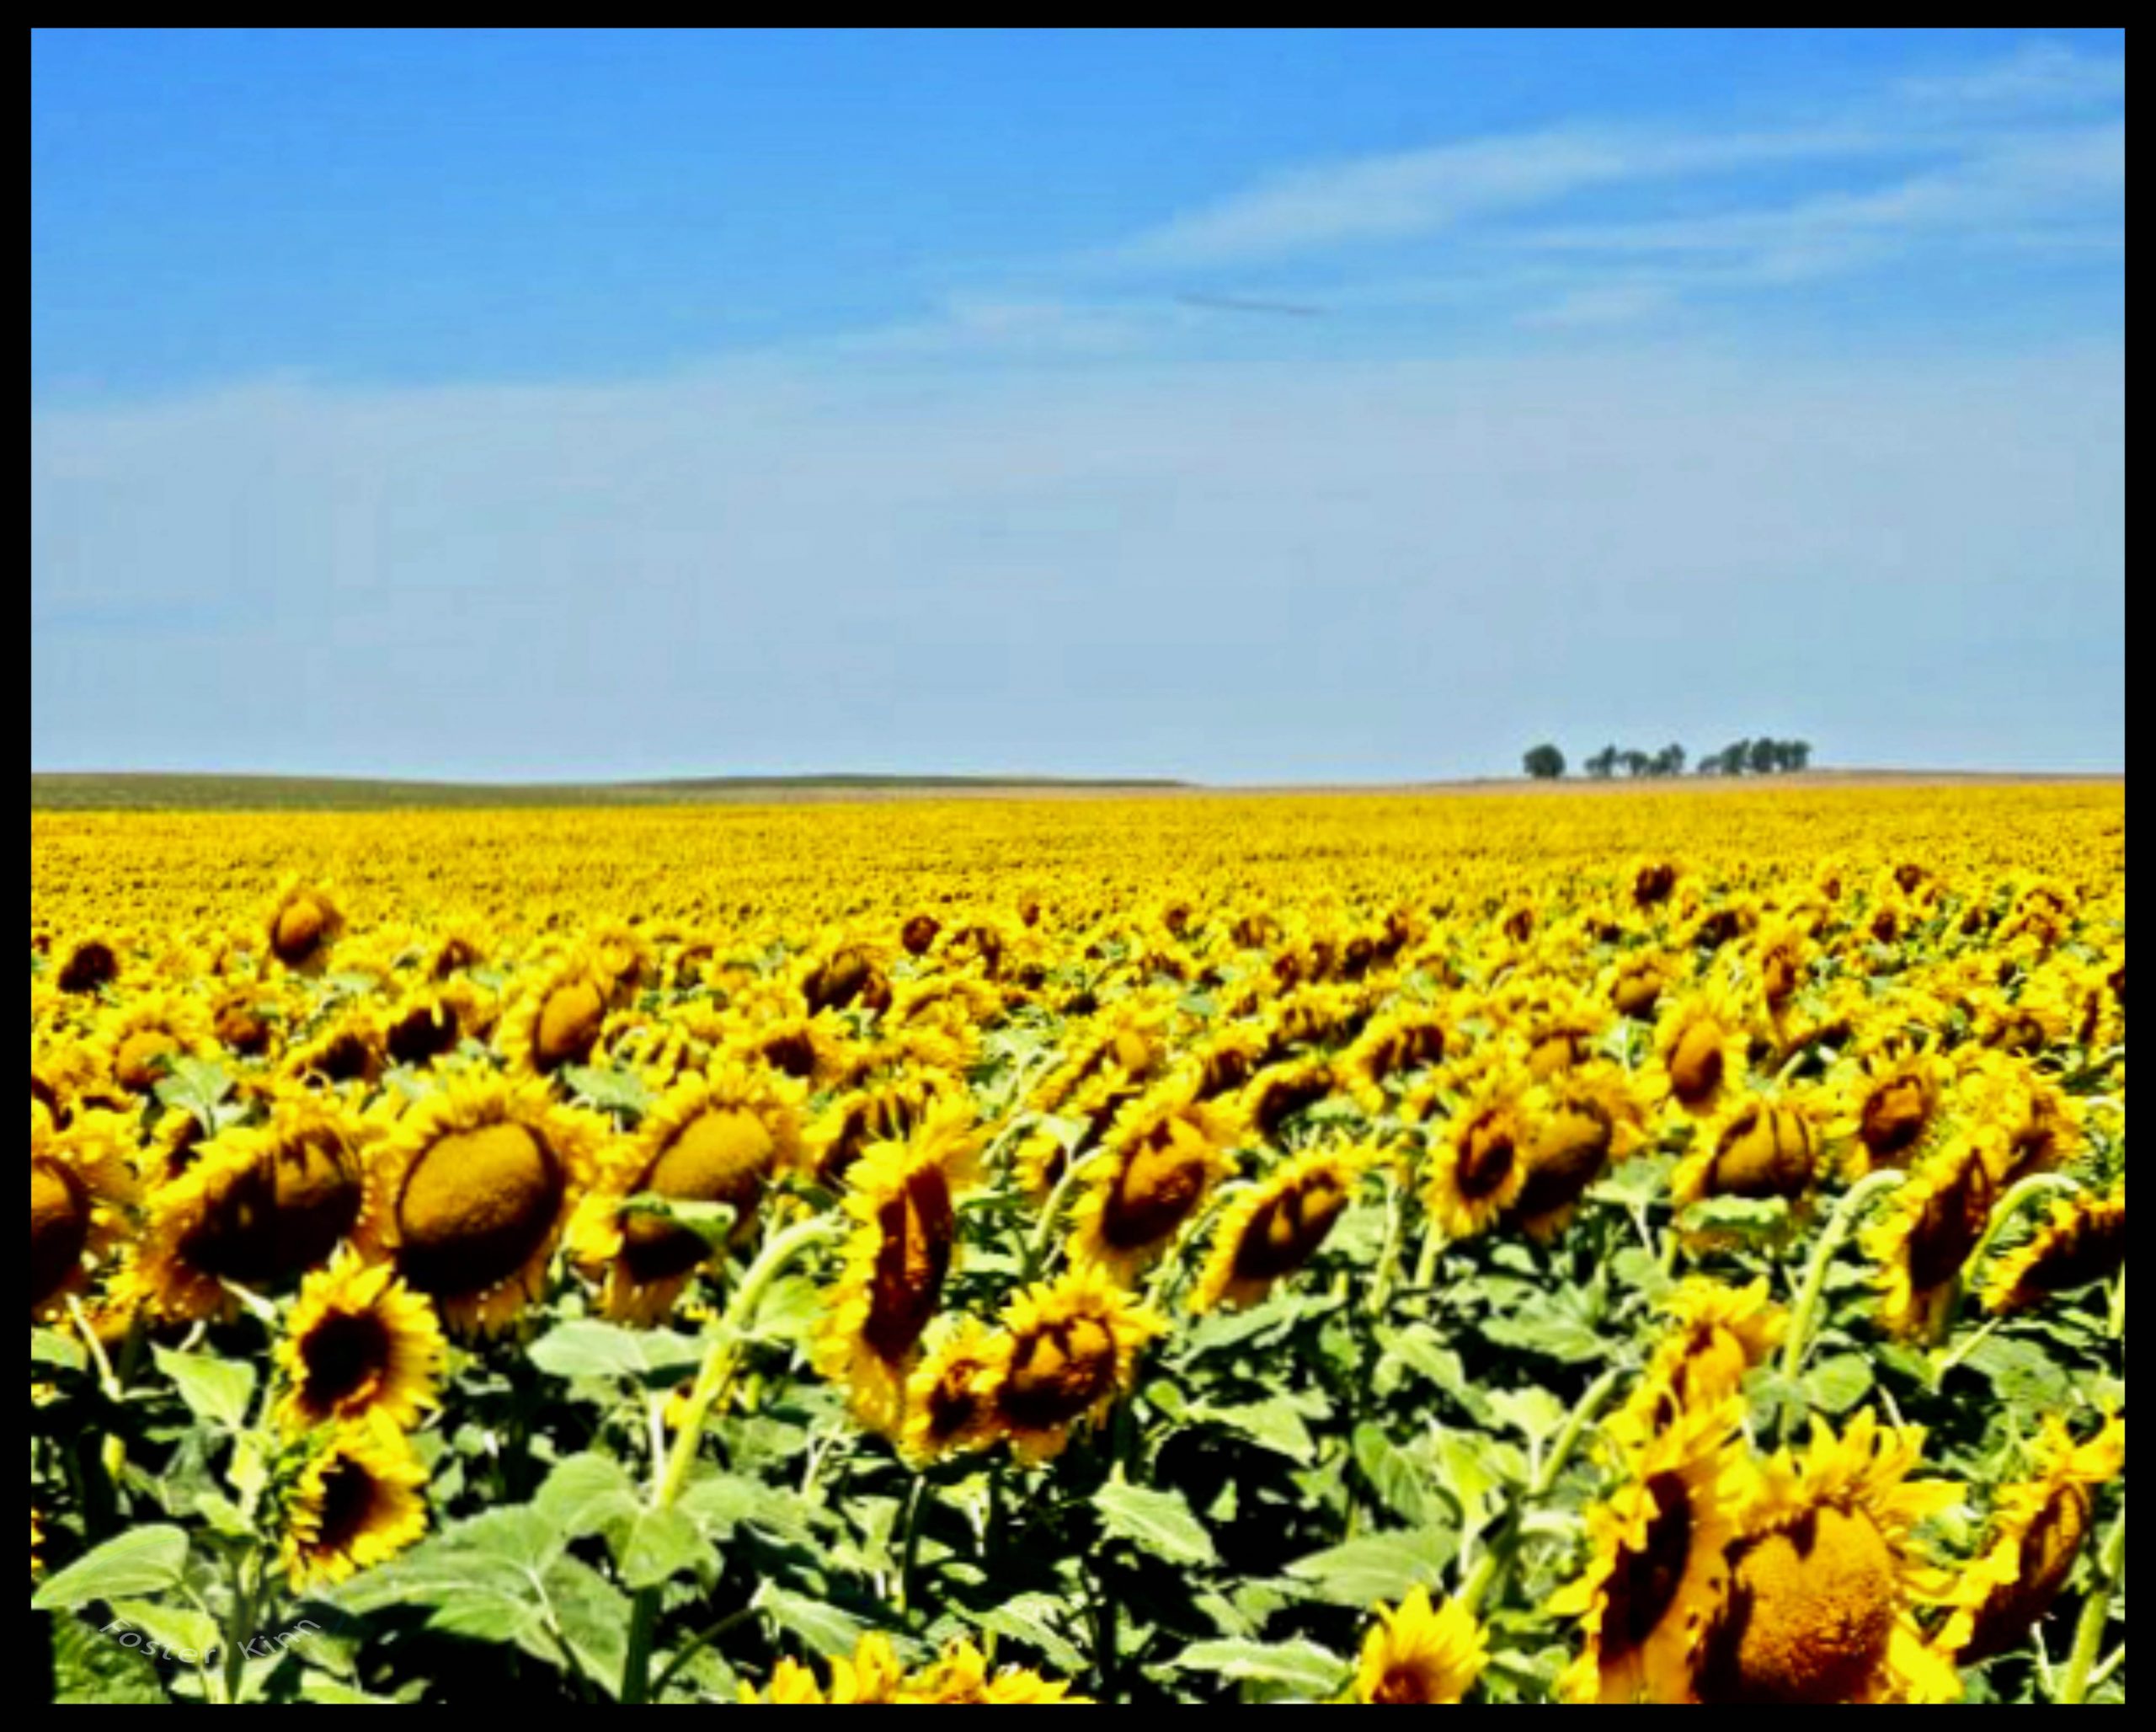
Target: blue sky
x=1248, y=407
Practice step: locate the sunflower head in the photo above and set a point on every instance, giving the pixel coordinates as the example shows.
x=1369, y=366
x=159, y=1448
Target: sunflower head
x=1926, y=1234
x=1478, y=1164
x=82, y=1187
x=2082, y=1241
x=1702, y=1044
x=359, y=1501
x=303, y=925
x=1420, y=1655
x=1069, y=1353
x=1758, y=1146
x=359, y=1343
x=1163, y=1157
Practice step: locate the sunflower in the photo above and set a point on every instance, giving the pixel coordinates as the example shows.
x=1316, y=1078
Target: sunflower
x=718, y=1137
x=872, y=1677
x=950, y=1402
x=1161, y=1158
x=1272, y=1231
x=1401, y=1041
x=82, y=1184
x=432, y=1022
x=1926, y=1234
x=1701, y=1046
x=358, y=1343
x=1635, y=986
x=1757, y=1147
x=1590, y=1119
x=1718, y=1334
x=346, y=1049
x=557, y=1021
x=2037, y=1531
x=961, y=1679
x=2037, y=1126
x=304, y=923
x=2083, y=1240
x=258, y=1207
x=470, y=1196
x=137, y=1042
x=886, y=1111
x=1658, y=1572
x=1419, y=1655
x=1128, y=1037
x=904, y=1207
x=1888, y=1107
x=1069, y=1353
x=1477, y=1168
x=1822, y=1576
x=814, y=1049
x=358, y=1502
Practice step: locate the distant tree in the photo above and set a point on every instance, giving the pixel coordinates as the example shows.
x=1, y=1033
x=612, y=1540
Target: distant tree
x=1603, y=764
x=1766, y=756
x=1737, y=757
x=1545, y=763
x=1669, y=760
x=1636, y=763
x=1797, y=755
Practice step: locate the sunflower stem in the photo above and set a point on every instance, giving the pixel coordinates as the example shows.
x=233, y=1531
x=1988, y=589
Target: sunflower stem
x=1498, y=1555
x=1043, y=1238
x=1426, y=1262
x=2004, y=1212
x=2096, y=1619
x=1839, y=1225
x=909, y=1554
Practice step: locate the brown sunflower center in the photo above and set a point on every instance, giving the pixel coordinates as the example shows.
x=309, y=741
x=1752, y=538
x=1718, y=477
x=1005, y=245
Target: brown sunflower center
x=846, y=979
x=476, y=1206
x=301, y=930
x=569, y=1025
x=141, y=1060
x=1697, y=1065
x=722, y=1157
x=955, y=1406
x=1653, y=885
x=1558, y=1051
x=919, y=1228
x=920, y=932
x=1894, y=1118
x=1410, y=1682
x=1568, y=1155
x=281, y=1217
x=1953, y=1221
x=792, y=1053
x=1488, y=1153
x=1058, y=1373
x=1766, y=1152
x=2093, y=1248
x=346, y=1354
x=424, y=1034
x=348, y=1497
x=1160, y=1184
x=1811, y=1616
x=1286, y=1096
x=60, y=1228
x=88, y=967
x=1636, y=993
x=1644, y=1585
x=1289, y=1230
x=2048, y=1550
x=243, y=1029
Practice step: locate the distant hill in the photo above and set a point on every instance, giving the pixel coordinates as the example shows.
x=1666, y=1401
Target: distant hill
x=101, y=793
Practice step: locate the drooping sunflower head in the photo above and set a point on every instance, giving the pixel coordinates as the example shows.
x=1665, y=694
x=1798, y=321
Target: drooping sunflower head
x=89, y=962
x=1590, y=1118
x=359, y=1342
x=1163, y=1157
x=1701, y=1047
x=904, y=1206
x=1636, y=983
x=1408, y=1038
x=344, y=1049
x=1823, y=1577
x=2032, y=1125
x=1478, y=1161
x=717, y=1137
x=888, y=1110
x=1280, y=1093
x=138, y=1041
x=257, y=1208
x=1420, y=1655
x=1273, y=1230
x=2082, y=1241
x=470, y=1196
x=1890, y=1109
x=2039, y=1527
x=1717, y=1334
x=1070, y=1349
x=1658, y=1573
x=557, y=1021
x=82, y=1185
x=359, y=1501
x=1758, y=1147
x=950, y=1402
x=303, y=924
x=1925, y=1235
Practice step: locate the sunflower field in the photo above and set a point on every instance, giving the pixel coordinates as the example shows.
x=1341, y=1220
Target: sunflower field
x=1582, y=1248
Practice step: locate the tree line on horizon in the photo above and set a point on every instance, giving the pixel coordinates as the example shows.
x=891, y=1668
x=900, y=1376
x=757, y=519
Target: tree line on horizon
x=1741, y=758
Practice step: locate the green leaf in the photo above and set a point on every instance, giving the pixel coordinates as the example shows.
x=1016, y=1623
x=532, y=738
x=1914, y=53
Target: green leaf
x=585, y=1348
x=1535, y=1413
x=587, y=1494
x=593, y=1617
x=1422, y=1351
x=1276, y=1425
x=88, y=1667
x=196, y=1086
x=143, y=1560
x=217, y=1391
x=49, y=1347
x=1837, y=1385
x=1157, y=1522
x=1385, y=1567
x=1553, y=1333
x=1031, y=1619
x=824, y=1630
x=180, y=1632
x=621, y=1091
x=1306, y=1671
x=658, y=1546
x=1746, y=1217
x=1393, y=1474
